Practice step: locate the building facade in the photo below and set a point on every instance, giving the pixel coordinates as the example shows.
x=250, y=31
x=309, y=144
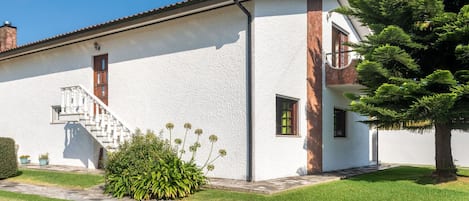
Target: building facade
x=266, y=76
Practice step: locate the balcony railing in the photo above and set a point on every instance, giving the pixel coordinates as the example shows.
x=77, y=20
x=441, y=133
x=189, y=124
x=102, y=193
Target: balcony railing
x=345, y=75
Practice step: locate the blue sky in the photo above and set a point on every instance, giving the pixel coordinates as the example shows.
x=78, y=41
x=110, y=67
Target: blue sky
x=39, y=19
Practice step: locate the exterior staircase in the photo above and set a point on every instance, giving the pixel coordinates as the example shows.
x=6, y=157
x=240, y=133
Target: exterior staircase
x=79, y=105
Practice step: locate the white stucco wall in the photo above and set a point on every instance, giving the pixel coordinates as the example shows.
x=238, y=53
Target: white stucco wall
x=280, y=68
x=191, y=69
x=419, y=148
x=353, y=150
x=28, y=87
x=187, y=70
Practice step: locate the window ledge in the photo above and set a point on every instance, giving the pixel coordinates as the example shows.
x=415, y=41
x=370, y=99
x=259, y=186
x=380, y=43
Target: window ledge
x=288, y=136
x=58, y=122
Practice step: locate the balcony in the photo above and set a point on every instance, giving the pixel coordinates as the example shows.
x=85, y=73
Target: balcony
x=345, y=77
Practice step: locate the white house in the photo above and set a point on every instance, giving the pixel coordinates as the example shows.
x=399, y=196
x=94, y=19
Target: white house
x=266, y=76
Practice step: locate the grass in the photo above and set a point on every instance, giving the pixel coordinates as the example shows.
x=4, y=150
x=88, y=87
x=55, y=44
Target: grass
x=11, y=196
x=61, y=179
x=402, y=183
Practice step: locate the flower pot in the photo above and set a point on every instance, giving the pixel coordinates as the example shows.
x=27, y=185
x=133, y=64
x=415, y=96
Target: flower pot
x=24, y=160
x=43, y=162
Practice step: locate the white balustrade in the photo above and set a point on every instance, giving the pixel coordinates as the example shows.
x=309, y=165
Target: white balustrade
x=76, y=100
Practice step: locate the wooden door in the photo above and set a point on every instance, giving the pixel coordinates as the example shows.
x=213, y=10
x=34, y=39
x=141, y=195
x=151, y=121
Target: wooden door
x=100, y=66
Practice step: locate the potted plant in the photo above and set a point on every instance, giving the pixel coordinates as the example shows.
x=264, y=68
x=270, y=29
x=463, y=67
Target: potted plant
x=44, y=159
x=24, y=159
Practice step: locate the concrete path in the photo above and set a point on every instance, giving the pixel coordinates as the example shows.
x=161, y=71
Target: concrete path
x=263, y=187
x=95, y=193
x=62, y=168
x=288, y=183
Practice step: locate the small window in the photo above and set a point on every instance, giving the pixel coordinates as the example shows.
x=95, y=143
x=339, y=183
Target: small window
x=339, y=50
x=287, y=116
x=55, y=112
x=339, y=122
x=103, y=64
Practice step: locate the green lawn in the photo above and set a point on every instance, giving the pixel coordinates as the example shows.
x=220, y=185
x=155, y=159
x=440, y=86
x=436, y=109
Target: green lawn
x=10, y=196
x=402, y=183
x=62, y=179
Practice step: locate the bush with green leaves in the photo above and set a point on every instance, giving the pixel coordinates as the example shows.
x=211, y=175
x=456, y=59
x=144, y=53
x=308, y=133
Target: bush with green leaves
x=8, y=163
x=147, y=167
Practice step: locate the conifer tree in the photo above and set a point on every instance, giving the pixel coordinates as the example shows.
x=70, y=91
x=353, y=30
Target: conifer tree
x=416, y=69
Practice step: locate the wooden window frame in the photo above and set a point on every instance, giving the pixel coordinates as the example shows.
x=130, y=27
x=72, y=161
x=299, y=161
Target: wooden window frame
x=286, y=104
x=340, y=123
x=339, y=50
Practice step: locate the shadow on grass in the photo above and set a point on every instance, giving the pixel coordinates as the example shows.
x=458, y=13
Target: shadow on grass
x=418, y=175
x=18, y=173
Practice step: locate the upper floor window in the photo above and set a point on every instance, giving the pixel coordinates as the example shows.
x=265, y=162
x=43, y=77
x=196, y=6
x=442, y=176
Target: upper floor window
x=339, y=122
x=287, y=116
x=339, y=50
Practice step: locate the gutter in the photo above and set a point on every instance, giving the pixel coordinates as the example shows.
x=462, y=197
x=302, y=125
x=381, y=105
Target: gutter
x=143, y=19
x=249, y=120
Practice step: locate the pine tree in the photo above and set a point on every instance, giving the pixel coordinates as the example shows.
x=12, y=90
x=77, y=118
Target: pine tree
x=415, y=68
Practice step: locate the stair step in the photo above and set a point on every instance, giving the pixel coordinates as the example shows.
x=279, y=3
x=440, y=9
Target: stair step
x=105, y=141
x=86, y=122
x=99, y=135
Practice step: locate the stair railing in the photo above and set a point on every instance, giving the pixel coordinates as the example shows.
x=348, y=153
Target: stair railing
x=78, y=100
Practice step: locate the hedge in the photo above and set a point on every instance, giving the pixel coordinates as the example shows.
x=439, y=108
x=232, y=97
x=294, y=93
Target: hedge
x=8, y=163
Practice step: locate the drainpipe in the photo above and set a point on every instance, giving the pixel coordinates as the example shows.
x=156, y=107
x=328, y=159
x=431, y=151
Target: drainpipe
x=249, y=89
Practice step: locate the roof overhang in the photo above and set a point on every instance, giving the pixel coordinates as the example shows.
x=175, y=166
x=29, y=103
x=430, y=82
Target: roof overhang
x=362, y=30
x=155, y=16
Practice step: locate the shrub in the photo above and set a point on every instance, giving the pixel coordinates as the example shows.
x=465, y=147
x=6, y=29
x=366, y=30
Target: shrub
x=44, y=156
x=8, y=163
x=148, y=168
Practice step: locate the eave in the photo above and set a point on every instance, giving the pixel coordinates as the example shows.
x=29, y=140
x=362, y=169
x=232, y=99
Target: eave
x=142, y=19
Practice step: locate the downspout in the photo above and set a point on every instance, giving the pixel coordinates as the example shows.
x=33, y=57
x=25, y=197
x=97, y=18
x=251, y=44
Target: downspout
x=248, y=90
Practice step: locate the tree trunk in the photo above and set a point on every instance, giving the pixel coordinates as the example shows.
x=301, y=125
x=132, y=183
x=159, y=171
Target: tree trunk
x=445, y=169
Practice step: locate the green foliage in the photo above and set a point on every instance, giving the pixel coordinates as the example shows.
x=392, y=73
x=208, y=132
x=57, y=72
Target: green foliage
x=415, y=68
x=462, y=53
x=149, y=168
x=8, y=163
x=44, y=156
x=416, y=62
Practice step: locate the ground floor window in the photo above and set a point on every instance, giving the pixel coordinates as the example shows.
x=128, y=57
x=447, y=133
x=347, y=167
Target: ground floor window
x=339, y=122
x=287, y=115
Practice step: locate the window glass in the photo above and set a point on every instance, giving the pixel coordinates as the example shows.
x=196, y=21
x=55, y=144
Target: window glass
x=339, y=50
x=339, y=122
x=103, y=64
x=287, y=113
